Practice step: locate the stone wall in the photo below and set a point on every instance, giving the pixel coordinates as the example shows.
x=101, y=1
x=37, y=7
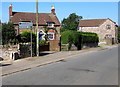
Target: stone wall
x=89, y=45
x=8, y=52
x=25, y=50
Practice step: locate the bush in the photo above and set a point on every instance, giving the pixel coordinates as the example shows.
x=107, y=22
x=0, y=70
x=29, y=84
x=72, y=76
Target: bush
x=42, y=42
x=88, y=37
x=78, y=38
x=25, y=37
x=71, y=37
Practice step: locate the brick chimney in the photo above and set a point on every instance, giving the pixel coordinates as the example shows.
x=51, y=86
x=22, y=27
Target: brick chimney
x=10, y=10
x=53, y=10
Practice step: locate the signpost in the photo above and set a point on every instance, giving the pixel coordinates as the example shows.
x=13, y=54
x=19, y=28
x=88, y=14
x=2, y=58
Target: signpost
x=27, y=25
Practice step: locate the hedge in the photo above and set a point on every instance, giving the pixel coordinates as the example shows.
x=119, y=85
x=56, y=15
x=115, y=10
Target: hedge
x=78, y=38
x=88, y=37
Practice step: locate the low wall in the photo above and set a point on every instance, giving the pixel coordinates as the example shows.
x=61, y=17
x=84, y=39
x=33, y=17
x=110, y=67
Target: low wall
x=25, y=50
x=44, y=48
x=88, y=45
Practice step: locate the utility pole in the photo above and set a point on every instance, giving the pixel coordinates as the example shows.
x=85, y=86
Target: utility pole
x=37, y=30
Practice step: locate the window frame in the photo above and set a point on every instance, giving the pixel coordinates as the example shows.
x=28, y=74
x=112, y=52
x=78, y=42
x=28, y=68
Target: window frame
x=108, y=26
x=50, y=24
x=52, y=35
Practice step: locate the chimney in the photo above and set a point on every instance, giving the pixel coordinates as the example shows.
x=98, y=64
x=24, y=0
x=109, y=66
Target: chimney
x=10, y=10
x=53, y=10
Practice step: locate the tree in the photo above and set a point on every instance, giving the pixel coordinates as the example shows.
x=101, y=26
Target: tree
x=70, y=23
x=25, y=37
x=8, y=33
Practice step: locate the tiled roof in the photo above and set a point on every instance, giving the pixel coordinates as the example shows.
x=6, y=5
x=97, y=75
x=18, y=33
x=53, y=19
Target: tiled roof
x=43, y=18
x=92, y=22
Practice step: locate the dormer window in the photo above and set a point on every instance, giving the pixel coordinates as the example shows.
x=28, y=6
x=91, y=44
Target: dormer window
x=50, y=24
x=108, y=26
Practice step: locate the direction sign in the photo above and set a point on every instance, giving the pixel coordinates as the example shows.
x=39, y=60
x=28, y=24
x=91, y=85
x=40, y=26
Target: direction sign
x=25, y=25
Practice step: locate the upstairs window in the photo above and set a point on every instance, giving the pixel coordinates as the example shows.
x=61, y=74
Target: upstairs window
x=108, y=27
x=50, y=24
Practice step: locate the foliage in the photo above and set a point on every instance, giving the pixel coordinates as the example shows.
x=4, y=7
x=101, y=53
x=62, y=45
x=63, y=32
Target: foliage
x=26, y=37
x=78, y=38
x=8, y=33
x=88, y=37
x=70, y=23
x=71, y=37
x=42, y=42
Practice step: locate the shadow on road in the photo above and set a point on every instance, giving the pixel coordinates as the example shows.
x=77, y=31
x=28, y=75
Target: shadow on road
x=46, y=53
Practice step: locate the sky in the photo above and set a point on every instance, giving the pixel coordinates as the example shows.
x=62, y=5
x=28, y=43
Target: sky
x=88, y=10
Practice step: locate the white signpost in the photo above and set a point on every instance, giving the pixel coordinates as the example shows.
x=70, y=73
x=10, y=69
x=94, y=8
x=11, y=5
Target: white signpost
x=27, y=25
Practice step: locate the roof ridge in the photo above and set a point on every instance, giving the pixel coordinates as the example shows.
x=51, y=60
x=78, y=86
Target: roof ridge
x=31, y=12
x=93, y=19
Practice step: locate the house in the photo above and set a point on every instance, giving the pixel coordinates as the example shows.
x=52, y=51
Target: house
x=105, y=28
x=44, y=19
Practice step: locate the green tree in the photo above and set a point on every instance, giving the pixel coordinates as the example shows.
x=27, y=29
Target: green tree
x=70, y=23
x=26, y=37
x=8, y=33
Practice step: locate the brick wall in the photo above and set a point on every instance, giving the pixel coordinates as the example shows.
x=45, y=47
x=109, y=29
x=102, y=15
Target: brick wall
x=54, y=45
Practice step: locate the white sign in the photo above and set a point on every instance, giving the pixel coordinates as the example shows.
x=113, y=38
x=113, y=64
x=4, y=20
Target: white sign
x=25, y=25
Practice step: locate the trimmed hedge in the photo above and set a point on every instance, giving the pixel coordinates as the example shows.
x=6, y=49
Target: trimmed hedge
x=88, y=37
x=78, y=38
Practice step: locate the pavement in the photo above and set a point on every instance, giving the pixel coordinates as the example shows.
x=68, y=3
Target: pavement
x=10, y=66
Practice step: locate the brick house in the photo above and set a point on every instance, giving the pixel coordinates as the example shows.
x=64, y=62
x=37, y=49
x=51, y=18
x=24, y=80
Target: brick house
x=44, y=19
x=105, y=28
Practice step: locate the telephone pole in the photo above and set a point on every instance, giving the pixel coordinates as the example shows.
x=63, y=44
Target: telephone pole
x=37, y=30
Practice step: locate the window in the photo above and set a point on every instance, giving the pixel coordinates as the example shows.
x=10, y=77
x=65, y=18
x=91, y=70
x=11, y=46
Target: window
x=108, y=36
x=50, y=24
x=50, y=36
x=108, y=26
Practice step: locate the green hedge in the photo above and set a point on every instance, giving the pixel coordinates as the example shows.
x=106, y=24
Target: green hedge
x=78, y=38
x=88, y=37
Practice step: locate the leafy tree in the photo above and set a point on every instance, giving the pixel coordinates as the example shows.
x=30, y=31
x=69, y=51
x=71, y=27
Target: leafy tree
x=8, y=33
x=26, y=37
x=70, y=23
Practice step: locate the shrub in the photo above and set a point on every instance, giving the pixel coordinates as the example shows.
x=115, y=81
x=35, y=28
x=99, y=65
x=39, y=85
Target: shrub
x=42, y=42
x=71, y=37
x=78, y=38
x=25, y=37
x=88, y=37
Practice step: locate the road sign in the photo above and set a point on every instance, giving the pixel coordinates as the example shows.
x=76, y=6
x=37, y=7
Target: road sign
x=25, y=25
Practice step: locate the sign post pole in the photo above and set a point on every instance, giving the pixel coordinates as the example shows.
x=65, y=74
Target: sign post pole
x=31, y=41
x=37, y=31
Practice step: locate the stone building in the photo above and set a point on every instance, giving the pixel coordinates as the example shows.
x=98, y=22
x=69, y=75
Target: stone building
x=106, y=29
x=44, y=19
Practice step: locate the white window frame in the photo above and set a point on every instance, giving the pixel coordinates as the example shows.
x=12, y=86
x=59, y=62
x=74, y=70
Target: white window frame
x=52, y=34
x=50, y=24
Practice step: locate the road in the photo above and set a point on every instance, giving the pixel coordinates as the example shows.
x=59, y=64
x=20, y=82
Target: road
x=93, y=68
